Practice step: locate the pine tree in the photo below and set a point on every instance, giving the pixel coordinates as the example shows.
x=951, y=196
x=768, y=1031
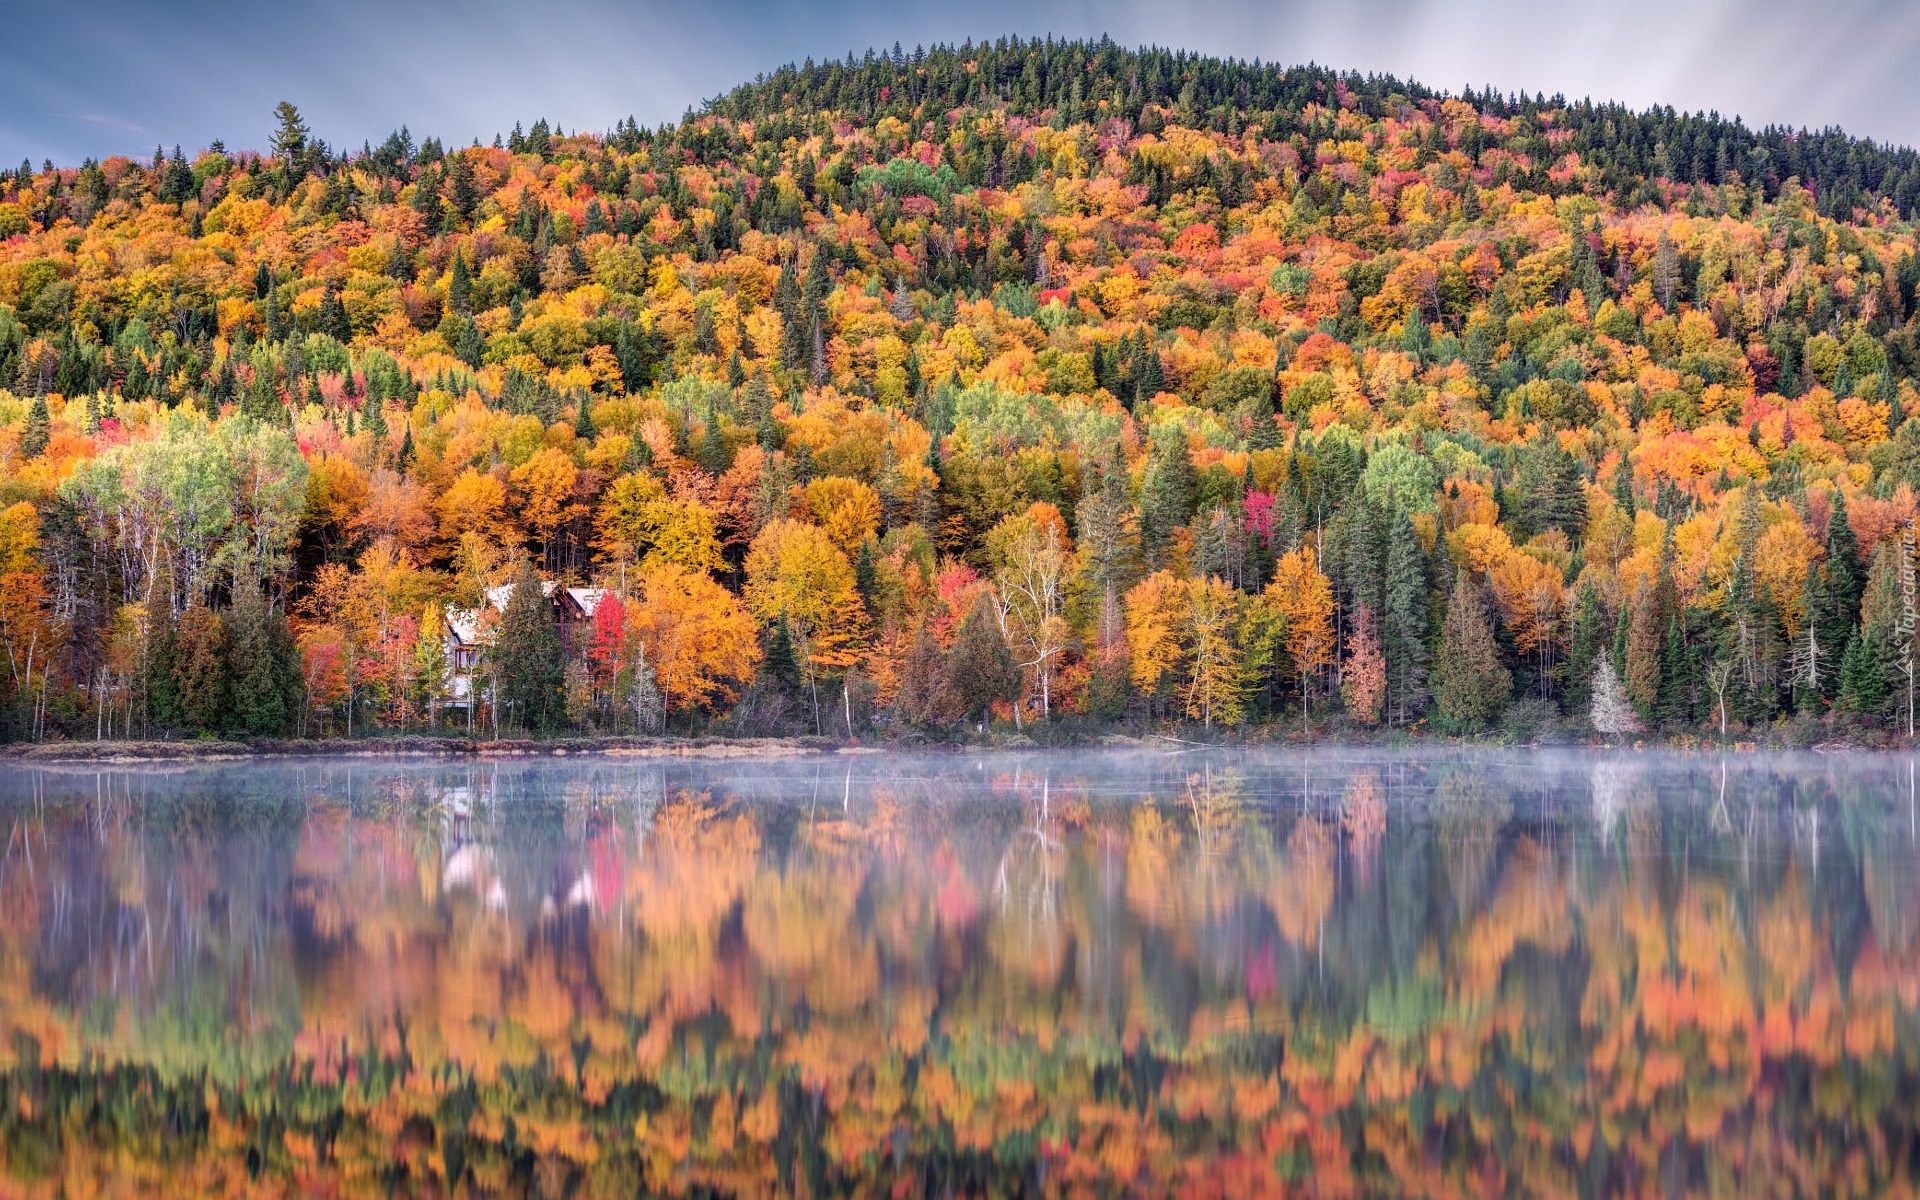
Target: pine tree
x=1587, y=647
x=1166, y=495
x=1640, y=652
x=1404, y=621
x=459, y=284
x=980, y=668
x=1675, y=703
x=1843, y=579
x=527, y=657
x=1470, y=686
x=39, y=429
x=256, y=689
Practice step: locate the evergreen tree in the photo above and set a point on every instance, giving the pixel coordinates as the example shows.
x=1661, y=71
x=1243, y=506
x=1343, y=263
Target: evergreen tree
x=1166, y=495
x=1675, y=704
x=1587, y=648
x=39, y=429
x=459, y=284
x=1640, y=651
x=527, y=657
x=1470, y=686
x=980, y=668
x=256, y=687
x=1362, y=572
x=201, y=681
x=1404, y=621
x=1843, y=579
x=781, y=664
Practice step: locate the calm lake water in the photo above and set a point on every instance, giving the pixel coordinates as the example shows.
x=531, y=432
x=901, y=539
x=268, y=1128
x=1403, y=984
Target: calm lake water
x=1338, y=974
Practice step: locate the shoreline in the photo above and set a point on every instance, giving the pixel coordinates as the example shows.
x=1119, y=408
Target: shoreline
x=509, y=749
x=207, y=751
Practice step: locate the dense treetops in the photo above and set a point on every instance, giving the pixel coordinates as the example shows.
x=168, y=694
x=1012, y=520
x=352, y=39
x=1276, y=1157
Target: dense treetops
x=1193, y=389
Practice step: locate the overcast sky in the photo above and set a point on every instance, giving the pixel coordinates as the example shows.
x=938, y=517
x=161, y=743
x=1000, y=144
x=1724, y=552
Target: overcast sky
x=114, y=76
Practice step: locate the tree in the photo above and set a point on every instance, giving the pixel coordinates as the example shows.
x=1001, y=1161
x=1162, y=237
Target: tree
x=289, y=140
x=1154, y=650
x=1641, y=651
x=695, y=635
x=527, y=657
x=545, y=483
x=1304, y=600
x=1033, y=560
x=38, y=432
x=1216, y=686
x=1166, y=497
x=1363, y=684
x=796, y=575
x=264, y=688
x=1404, y=622
x=1611, y=710
x=980, y=669
x=1470, y=686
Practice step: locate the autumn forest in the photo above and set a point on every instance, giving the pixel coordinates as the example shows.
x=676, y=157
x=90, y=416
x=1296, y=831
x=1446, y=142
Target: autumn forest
x=1021, y=389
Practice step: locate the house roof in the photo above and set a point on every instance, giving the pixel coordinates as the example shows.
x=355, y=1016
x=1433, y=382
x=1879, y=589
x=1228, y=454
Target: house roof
x=498, y=596
x=588, y=599
x=464, y=625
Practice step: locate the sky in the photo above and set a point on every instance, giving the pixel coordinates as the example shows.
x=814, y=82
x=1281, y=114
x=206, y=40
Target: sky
x=107, y=77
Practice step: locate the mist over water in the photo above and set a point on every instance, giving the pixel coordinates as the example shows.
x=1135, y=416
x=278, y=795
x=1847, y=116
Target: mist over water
x=1535, y=973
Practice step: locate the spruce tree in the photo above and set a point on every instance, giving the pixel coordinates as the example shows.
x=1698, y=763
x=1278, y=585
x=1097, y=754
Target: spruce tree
x=39, y=429
x=980, y=668
x=1675, y=703
x=1588, y=646
x=255, y=688
x=1166, y=495
x=459, y=284
x=1843, y=579
x=527, y=657
x=1404, y=621
x=1362, y=571
x=1470, y=686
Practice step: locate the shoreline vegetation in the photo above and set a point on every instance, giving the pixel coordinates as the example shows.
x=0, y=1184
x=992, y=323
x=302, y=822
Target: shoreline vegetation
x=1049, y=387
x=1802, y=737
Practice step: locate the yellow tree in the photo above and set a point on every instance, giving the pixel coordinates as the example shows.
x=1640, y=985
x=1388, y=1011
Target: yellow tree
x=1033, y=558
x=1532, y=596
x=1153, y=630
x=1216, y=683
x=1304, y=600
x=795, y=572
x=475, y=503
x=696, y=635
x=544, y=484
x=847, y=509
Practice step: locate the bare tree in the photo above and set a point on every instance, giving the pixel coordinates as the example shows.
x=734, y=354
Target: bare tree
x=1612, y=711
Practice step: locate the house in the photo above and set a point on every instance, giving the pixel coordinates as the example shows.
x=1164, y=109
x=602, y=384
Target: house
x=470, y=630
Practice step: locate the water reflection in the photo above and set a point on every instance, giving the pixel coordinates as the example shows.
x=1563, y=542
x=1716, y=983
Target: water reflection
x=1443, y=974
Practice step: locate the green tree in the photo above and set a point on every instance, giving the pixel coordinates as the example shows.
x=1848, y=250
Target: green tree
x=39, y=429
x=1404, y=621
x=1470, y=686
x=289, y=140
x=980, y=668
x=527, y=657
x=1588, y=646
x=262, y=698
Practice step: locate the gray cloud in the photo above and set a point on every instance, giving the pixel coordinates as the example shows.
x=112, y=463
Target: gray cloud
x=115, y=76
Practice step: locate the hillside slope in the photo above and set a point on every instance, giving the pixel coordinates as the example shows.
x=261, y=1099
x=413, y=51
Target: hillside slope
x=1049, y=381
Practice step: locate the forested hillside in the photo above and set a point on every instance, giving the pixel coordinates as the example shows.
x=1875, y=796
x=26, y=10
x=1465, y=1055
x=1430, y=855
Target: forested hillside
x=1052, y=384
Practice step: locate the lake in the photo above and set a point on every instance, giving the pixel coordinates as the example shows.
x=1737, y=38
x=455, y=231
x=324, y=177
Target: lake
x=1337, y=973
